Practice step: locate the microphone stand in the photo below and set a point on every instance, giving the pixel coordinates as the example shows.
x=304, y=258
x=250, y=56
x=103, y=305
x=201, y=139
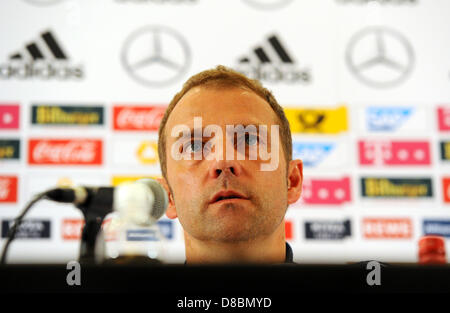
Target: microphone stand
x=94, y=210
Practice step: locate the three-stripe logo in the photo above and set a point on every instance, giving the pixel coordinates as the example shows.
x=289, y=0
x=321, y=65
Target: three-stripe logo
x=272, y=62
x=263, y=57
x=36, y=53
x=42, y=58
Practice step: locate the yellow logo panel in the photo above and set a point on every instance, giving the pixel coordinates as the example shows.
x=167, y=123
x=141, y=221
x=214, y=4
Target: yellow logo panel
x=117, y=180
x=317, y=120
x=64, y=182
x=147, y=152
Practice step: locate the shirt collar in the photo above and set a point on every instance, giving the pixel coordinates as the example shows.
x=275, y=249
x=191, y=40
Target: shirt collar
x=289, y=254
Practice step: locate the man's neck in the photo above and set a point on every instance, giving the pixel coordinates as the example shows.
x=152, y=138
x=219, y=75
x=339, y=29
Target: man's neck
x=268, y=250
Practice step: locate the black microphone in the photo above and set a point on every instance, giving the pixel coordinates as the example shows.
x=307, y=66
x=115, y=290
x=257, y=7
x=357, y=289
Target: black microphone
x=92, y=201
x=148, y=192
x=66, y=195
x=142, y=202
x=76, y=195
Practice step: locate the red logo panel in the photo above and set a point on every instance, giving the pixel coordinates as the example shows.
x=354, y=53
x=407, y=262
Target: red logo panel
x=138, y=118
x=444, y=118
x=65, y=152
x=109, y=230
x=71, y=229
x=394, y=153
x=8, y=189
x=446, y=189
x=9, y=116
x=326, y=191
x=387, y=228
x=288, y=230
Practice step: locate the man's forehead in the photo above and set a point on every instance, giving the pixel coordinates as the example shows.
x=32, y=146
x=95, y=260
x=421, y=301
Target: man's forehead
x=222, y=106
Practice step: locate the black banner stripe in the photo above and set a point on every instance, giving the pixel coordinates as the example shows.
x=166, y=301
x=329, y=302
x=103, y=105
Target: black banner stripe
x=53, y=46
x=16, y=56
x=280, y=50
x=262, y=56
x=33, y=49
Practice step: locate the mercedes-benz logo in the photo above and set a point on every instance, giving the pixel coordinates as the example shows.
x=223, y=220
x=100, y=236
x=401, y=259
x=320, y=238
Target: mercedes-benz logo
x=267, y=4
x=380, y=57
x=156, y=55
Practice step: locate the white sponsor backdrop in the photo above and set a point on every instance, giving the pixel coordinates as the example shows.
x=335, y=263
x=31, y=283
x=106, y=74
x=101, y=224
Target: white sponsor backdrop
x=366, y=55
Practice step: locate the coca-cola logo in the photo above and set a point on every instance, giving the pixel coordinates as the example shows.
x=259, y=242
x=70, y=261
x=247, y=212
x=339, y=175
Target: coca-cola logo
x=69, y=152
x=138, y=118
x=4, y=188
x=446, y=189
x=8, y=189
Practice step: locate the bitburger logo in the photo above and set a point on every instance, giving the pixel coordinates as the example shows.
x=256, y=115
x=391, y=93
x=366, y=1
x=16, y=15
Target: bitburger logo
x=42, y=59
x=272, y=63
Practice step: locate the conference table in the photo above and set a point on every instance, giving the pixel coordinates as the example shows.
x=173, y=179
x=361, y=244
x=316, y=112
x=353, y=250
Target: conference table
x=219, y=280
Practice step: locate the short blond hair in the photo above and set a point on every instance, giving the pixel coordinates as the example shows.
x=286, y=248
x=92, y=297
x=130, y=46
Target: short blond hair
x=223, y=77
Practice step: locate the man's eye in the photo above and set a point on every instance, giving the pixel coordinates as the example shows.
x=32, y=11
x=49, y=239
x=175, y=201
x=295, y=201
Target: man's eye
x=251, y=140
x=193, y=146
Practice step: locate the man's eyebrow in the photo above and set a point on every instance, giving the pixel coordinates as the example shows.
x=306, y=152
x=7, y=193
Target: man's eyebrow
x=192, y=130
x=191, y=133
x=249, y=124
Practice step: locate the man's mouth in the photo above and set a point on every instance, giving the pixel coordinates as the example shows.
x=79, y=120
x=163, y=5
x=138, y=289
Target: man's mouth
x=227, y=195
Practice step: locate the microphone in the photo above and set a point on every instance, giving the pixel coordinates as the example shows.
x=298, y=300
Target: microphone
x=138, y=204
x=134, y=236
x=76, y=195
x=144, y=201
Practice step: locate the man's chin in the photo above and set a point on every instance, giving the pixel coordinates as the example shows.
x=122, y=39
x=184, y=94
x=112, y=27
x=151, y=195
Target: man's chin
x=231, y=228
x=232, y=236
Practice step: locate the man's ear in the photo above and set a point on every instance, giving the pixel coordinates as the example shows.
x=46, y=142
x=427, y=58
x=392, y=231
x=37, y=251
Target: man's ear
x=295, y=180
x=171, y=211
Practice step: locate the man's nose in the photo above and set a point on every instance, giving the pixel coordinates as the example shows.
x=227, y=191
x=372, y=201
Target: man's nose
x=225, y=167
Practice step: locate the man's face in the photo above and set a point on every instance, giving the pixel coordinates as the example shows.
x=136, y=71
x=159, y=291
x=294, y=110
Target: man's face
x=258, y=198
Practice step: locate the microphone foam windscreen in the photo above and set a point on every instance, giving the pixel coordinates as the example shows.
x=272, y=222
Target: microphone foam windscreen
x=160, y=194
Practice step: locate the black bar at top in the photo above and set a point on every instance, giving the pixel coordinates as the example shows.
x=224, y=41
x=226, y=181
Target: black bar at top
x=33, y=49
x=280, y=50
x=262, y=56
x=53, y=45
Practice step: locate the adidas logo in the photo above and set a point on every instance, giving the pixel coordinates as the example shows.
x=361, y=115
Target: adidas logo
x=36, y=53
x=272, y=63
x=43, y=58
